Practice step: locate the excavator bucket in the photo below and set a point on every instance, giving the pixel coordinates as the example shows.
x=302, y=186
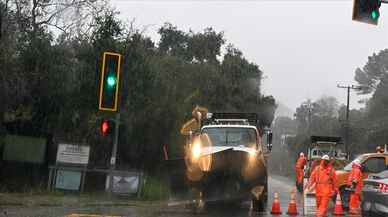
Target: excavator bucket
x=198, y=114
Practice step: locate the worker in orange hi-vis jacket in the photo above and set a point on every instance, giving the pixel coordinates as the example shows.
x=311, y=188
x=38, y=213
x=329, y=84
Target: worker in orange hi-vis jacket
x=299, y=174
x=355, y=181
x=324, y=179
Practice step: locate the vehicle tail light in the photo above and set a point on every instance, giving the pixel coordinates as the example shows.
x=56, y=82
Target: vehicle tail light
x=383, y=188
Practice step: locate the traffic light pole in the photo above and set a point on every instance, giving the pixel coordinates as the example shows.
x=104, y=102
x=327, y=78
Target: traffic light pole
x=114, y=152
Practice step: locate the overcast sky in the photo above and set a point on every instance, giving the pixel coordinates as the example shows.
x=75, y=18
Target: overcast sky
x=305, y=48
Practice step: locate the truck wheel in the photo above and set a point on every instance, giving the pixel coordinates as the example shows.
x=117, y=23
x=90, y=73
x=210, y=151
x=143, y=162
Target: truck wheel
x=199, y=204
x=259, y=205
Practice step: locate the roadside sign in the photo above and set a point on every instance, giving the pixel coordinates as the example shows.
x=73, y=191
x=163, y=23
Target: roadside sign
x=73, y=154
x=24, y=149
x=68, y=180
x=124, y=184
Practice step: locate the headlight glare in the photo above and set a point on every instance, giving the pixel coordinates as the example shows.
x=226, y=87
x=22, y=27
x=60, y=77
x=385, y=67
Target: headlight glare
x=196, y=150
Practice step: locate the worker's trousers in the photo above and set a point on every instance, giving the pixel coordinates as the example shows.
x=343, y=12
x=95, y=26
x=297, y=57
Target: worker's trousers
x=299, y=175
x=354, y=202
x=322, y=205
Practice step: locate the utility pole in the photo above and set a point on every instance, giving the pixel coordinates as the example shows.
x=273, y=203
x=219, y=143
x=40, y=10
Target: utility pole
x=309, y=108
x=348, y=87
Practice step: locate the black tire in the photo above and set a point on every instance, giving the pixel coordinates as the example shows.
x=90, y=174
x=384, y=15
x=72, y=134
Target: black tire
x=199, y=207
x=345, y=196
x=259, y=205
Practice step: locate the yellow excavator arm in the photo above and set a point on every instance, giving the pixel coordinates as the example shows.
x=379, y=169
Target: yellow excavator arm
x=195, y=123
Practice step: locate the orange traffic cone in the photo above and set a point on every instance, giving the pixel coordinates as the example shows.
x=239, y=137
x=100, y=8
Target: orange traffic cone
x=338, y=206
x=276, y=205
x=292, y=210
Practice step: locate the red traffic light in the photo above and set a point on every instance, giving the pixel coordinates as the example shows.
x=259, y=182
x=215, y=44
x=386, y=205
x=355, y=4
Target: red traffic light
x=104, y=128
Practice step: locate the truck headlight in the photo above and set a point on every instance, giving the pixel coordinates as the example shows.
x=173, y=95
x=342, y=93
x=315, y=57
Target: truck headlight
x=252, y=155
x=196, y=150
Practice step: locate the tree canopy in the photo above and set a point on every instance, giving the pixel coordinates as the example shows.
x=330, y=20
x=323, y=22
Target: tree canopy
x=49, y=80
x=372, y=120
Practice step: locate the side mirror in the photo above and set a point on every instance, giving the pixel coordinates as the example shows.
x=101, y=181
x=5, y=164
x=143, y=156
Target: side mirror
x=269, y=141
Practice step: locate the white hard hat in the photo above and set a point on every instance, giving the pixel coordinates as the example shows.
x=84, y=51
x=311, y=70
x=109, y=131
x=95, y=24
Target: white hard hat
x=301, y=154
x=325, y=157
x=357, y=162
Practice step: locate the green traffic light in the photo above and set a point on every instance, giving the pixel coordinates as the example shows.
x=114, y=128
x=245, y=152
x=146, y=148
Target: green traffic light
x=111, y=80
x=374, y=15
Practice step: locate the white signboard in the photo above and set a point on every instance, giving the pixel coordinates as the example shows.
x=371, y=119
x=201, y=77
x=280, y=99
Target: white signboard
x=73, y=154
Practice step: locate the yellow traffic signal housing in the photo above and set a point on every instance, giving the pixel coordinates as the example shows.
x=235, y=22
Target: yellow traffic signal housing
x=109, y=82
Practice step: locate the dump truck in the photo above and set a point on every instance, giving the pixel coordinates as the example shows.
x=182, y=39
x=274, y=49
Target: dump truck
x=225, y=159
x=319, y=146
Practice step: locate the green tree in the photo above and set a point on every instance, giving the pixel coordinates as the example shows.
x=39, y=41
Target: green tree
x=374, y=70
x=50, y=81
x=374, y=76
x=320, y=118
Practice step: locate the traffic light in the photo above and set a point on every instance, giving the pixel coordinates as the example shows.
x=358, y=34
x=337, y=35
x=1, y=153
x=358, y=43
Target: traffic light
x=366, y=11
x=105, y=127
x=109, y=82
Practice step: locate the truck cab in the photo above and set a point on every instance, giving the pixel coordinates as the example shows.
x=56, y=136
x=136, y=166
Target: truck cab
x=226, y=160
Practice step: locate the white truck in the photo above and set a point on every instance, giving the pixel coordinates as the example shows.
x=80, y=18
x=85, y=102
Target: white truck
x=225, y=159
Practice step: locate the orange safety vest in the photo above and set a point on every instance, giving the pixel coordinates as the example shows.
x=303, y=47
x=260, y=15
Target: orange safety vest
x=299, y=169
x=325, y=180
x=300, y=163
x=355, y=175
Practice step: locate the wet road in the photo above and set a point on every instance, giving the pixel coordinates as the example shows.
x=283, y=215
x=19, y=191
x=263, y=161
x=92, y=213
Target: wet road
x=279, y=184
x=276, y=183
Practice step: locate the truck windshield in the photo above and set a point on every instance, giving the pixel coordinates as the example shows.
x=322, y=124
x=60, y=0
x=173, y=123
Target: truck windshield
x=228, y=136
